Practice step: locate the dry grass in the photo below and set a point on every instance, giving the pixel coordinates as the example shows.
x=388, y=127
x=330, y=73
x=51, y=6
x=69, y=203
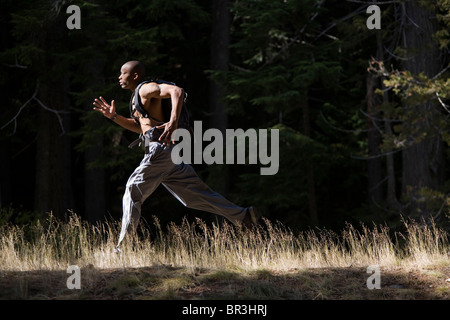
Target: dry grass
x=54, y=245
x=192, y=256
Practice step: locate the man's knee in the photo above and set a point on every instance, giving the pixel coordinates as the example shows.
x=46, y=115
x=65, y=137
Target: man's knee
x=132, y=193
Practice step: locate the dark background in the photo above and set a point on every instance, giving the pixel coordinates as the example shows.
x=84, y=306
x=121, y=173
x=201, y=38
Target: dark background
x=352, y=147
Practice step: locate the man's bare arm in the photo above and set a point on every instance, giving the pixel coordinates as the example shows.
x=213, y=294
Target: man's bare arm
x=165, y=91
x=177, y=97
x=109, y=111
x=176, y=94
x=128, y=123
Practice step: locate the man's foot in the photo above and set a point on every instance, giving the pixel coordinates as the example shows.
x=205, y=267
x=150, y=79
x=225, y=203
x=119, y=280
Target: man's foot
x=251, y=217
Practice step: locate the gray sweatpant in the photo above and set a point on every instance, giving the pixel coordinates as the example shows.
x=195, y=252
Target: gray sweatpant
x=180, y=179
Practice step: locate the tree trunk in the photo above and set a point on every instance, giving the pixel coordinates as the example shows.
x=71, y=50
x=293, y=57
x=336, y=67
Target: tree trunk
x=5, y=175
x=94, y=185
x=309, y=168
x=94, y=178
x=53, y=153
x=374, y=163
x=220, y=40
x=422, y=161
x=391, y=193
x=392, y=199
x=50, y=175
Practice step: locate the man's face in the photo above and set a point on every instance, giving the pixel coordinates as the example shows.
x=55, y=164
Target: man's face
x=126, y=78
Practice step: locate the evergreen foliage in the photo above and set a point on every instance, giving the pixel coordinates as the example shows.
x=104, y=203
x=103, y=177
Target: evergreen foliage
x=340, y=95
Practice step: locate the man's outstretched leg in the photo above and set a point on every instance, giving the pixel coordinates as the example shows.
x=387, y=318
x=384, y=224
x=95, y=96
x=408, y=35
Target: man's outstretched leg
x=189, y=189
x=184, y=184
x=251, y=218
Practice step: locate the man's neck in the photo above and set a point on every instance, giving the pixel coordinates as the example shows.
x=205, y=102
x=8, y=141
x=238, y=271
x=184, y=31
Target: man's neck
x=134, y=86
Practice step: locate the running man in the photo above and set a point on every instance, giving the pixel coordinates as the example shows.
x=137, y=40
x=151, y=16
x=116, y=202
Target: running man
x=157, y=167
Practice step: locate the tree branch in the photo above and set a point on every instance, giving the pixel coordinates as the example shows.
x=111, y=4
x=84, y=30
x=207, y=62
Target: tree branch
x=371, y=117
x=350, y=15
x=16, y=65
x=396, y=56
x=342, y=130
x=441, y=72
x=34, y=97
x=442, y=206
x=56, y=112
x=376, y=156
x=446, y=107
x=20, y=110
x=295, y=38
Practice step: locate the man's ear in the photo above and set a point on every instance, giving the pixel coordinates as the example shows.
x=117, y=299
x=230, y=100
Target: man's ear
x=135, y=76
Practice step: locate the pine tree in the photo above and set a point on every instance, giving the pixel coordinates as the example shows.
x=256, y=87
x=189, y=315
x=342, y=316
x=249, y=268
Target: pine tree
x=283, y=70
x=421, y=86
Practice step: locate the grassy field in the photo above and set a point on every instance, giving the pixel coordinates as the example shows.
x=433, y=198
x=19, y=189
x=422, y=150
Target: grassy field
x=198, y=262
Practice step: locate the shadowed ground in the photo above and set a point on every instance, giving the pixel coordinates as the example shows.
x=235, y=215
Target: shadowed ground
x=162, y=282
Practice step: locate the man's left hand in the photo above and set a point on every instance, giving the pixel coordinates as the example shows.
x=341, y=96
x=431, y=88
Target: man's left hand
x=166, y=136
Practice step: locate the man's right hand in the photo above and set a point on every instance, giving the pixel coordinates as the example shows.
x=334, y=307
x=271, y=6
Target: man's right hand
x=102, y=106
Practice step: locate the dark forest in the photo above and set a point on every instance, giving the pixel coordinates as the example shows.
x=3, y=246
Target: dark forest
x=362, y=112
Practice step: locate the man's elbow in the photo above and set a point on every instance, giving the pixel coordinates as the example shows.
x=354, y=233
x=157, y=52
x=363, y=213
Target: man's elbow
x=176, y=93
x=179, y=92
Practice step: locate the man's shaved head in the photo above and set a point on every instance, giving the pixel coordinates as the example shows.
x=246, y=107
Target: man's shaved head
x=131, y=74
x=135, y=66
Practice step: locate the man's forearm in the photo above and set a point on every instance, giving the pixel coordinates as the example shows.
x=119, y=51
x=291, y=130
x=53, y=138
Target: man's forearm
x=127, y=123
x=177, y=104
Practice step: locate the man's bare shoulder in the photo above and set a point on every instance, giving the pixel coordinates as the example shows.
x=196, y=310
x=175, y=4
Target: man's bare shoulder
x=149, y=89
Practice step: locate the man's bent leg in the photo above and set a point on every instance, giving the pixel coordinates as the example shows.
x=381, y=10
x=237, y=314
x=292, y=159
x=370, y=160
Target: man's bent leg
x=131, y=205
x=141, y=184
